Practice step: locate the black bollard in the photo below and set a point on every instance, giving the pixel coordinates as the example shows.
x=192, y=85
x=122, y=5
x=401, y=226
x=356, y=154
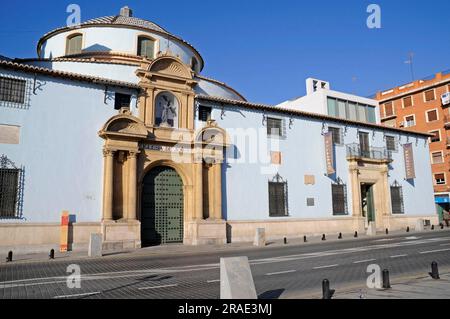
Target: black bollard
x=387, y=231
x=434, y=271
x=340, y=236
x=52, y=254
x=432, y=227
x=305, y=240
x=442, y=226
x=324, y=237
x=10, y=257
x=327, y=293
x=285, y=240
x=407, y=229
x=386, y=281
x=356, y=234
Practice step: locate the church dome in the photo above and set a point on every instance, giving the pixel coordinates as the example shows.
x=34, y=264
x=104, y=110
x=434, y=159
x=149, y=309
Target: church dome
x=116, y=34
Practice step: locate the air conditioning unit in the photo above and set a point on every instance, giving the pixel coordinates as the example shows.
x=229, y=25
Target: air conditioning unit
x=445, y=98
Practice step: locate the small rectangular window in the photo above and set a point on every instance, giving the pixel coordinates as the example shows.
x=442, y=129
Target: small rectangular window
x=371, y=117
x=429, y=96
x=391, y=143
x=12, y=90
x=432, y=116
x=122, y=100
x=407, y=101
x=336, y=134
x=439, y=179
x=397, y=200
x=332, y=107
x=274, y=127
x=310, y=202
x=437, y=158
x=410, y=121
x=204, y=113
x=389, y=109
x=342, y=109
x=436, y=137
x=277, y=199
x=339, y=199
x=362, y=117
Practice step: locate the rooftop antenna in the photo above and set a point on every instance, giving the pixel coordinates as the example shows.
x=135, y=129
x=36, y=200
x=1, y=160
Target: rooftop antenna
x=410, y=61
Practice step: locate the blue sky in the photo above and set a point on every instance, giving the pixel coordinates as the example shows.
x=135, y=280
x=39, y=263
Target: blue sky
x=266, y=49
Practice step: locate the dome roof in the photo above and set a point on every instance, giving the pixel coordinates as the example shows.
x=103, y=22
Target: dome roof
x=124, y=19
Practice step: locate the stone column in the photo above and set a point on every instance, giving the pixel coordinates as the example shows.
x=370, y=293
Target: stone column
x=132, y=186
x=217, y=190
x=356, y=190
x=108, y=184
x=198, y=215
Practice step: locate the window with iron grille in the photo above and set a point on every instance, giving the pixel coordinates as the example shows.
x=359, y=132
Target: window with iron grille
x=339, y=199
x=12, y=90
x=391, y=143
x=122, y=100
x=278, y=199
x=337, y=135
x=204, y=113
x=11, y=181
x=397, y=199
x=274, y=127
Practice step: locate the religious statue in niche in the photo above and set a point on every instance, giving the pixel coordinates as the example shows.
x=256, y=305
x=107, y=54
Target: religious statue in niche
x=166, y=110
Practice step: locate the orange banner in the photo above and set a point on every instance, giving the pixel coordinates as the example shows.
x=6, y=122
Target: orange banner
x=409, y=161
x=64, y=243
x=329, y=156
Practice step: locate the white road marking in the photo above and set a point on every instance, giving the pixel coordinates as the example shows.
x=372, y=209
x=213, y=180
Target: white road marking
x=324, y=267
x=398, y=256
x=158, y=287
x=212, y=281
x=412, y=238
x=433, y=251
x=280, y=272
x=364, y=261
x=444, y=245
x=78, y=295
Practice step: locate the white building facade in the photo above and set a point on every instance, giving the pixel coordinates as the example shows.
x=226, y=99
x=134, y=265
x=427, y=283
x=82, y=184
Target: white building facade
x=114, y=125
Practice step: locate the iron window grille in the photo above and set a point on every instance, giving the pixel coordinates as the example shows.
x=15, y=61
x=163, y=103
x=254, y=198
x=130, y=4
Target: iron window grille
x=339, y=198
x=337, y=134
x=11, y=189
x=397, y=198
x=275, y=127
x=204, y=113
x=278, y=197
x=122, y=101
x=391, y=143
x=15, y=92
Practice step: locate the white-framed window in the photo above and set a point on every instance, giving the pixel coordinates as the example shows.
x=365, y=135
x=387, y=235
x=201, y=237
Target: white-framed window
x=389, y=109
x=432, y=115
x=439, y=179
x=407, y=101
x=436, y=137
x=429, y=95
x=437, y=157
x=410, y=120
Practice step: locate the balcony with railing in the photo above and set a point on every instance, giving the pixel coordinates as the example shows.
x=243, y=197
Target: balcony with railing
x=380, y=154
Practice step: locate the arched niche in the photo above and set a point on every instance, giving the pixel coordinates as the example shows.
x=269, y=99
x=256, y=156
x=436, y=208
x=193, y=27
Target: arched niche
x=167, y=110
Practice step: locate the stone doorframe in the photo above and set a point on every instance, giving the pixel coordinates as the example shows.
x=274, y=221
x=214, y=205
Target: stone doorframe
x=371, y=172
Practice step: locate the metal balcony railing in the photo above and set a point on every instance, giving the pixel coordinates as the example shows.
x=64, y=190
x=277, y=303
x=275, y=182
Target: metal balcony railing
x=376, y=153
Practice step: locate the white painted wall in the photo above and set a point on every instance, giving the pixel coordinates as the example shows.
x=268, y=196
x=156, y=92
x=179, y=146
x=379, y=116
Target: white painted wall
x=60, y=148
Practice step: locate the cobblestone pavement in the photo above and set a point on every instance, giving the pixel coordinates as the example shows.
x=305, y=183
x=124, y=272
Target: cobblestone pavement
x=279, y=271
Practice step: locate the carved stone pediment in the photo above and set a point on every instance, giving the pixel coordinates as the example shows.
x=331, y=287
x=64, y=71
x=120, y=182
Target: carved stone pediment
x=124, y=125
x=170, y=66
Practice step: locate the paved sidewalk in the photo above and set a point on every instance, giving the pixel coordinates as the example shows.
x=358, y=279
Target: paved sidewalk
x=179, y=249
x=418, y=288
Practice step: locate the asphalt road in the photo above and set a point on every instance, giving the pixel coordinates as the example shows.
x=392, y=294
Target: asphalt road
x=279, y=272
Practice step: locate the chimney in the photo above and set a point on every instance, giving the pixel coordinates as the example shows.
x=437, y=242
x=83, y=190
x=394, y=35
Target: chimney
x=126, y=12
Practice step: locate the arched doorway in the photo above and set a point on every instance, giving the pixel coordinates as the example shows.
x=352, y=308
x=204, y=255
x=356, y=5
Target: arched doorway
x=162, y=207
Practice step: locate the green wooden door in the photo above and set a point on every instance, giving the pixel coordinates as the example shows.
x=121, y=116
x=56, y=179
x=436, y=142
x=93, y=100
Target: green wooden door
x=370, y=205
x=162, y=207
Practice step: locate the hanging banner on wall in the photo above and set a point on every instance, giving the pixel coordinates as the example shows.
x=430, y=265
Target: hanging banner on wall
x=409, y=161
x=64, y=243
x=329, y=153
